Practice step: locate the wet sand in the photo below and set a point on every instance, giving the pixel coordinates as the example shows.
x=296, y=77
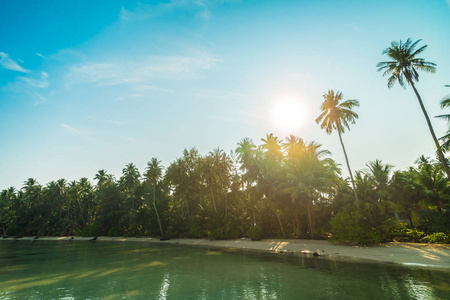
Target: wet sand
x=423, y=255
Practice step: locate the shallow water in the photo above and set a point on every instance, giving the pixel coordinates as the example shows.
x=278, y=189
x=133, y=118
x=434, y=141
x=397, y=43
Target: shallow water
x=118, y=270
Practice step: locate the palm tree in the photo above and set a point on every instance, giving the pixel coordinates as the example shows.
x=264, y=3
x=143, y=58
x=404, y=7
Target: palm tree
x=337, y=115
x=431, y=182
x=246, y=151
x=153, y=174
x=404, y=67
x=269, y=171
x=446, y=138
x=310, y=175
x=183, y=177
x=272, y=146
x=293, y=146
x=8, y=202
x=216, y=173
x=130, y=181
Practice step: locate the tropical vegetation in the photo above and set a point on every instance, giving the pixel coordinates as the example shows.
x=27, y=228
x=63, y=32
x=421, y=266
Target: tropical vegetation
x=288, y=188
x=279, y=188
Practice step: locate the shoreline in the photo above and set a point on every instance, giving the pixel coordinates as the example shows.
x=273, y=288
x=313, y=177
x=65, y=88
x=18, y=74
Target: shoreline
x=436, y=256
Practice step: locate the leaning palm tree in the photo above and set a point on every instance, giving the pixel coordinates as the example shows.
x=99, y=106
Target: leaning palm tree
x=403, y=69
x=446, y=138
x=337, y=115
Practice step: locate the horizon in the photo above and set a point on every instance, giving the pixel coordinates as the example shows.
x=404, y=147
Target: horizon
x=129, y=81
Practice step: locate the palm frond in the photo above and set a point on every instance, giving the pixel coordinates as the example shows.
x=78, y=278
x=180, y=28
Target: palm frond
x=445, y=117
x=405, y=64
x=418, y=51
x=445, y=102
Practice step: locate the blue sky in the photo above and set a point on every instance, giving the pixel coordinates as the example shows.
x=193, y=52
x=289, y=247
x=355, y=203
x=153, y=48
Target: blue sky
x=90, y=85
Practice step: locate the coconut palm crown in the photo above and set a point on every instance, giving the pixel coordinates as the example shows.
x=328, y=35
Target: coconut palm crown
x=337, y=115
x=405, y=64
x=404, y=67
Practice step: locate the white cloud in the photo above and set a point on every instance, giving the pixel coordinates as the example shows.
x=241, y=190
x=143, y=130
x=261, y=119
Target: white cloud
x=128, y=97
x=34, y=82
x=40, y=100
x=157, y=67
x=44, y=75
x=74, y=130
x=10, y=64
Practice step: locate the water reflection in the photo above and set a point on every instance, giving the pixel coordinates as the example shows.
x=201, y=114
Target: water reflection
x=105, y=270
x=164, y=287
x=417, y=290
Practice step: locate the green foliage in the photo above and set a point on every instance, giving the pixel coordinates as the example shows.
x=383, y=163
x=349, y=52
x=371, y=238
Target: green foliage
x=115, y=231
x=254, y=233
x=90, y=230
x=14, y=230
x=291, y=189
x=220, y=228
x=402, y=230
x=415, y=234
x=439, y=237
x=223, y=233
x=434, y=220
x=347, y=228
x=196, y=231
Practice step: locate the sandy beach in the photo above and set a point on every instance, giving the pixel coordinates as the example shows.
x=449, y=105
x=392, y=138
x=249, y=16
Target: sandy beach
x=412, y=254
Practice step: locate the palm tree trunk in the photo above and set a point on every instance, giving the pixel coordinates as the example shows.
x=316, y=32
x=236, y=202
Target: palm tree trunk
x=279, y=222
x=226, y=205
x=156, y=210
x=276, y=213
x=188, y=213
x=438, y=147
x=213, y=201
x=349, y=171
x=310, y=225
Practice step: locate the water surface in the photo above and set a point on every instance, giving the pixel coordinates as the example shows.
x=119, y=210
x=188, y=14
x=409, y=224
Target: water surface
x=127, y=270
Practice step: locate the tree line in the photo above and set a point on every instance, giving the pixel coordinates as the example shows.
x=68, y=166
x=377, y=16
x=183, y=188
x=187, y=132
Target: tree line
x=282, y=188
x=288, y=188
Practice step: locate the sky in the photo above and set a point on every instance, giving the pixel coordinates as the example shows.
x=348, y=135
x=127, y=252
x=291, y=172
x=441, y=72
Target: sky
x=91, y=85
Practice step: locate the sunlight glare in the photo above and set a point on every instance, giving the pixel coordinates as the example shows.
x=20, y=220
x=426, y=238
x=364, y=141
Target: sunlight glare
x=288, y=114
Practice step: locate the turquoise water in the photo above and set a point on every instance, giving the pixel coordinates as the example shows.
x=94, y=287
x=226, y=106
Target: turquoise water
x=114, y=270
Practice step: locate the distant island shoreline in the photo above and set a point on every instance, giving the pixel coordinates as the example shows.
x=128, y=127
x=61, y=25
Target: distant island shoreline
x=408, y=254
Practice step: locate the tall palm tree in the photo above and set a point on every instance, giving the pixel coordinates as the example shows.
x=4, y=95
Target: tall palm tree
x=404, y=67
x=8, y=203
x=269, y=172
x=183, y=176
x=216, y=172
x=337, y=115
x=153, y=175
x=246, y=151
x=293, y=146
x=446, y=138
x=272, y=146
x=308, y=177
x=130, y=181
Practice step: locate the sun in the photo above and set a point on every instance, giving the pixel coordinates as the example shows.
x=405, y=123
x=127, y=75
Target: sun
x=288, y=114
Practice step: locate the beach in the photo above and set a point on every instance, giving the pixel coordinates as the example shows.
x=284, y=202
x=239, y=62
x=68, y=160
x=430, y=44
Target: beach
x=410, y=254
